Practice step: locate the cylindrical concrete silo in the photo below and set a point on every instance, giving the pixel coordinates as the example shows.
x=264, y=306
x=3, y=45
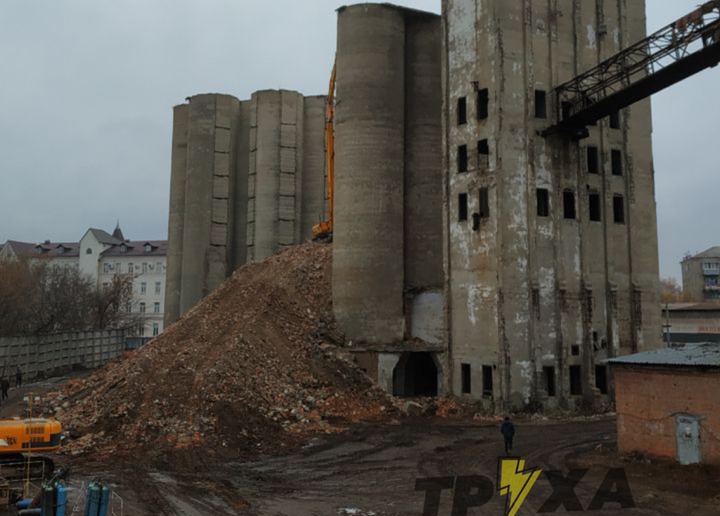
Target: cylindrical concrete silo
x=220, y=252
x=176, y=218
x=313, y=169
x=367, y=282
x=423, y=151
x=198, y=198
x=265, y=167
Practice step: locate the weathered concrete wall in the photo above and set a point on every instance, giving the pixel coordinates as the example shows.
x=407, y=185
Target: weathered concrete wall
x=423, y=159
x=388, y=210
x=314, y=207
x=240, y=190
x=264, y=177
x=207, y=226
x=176, y=219
x=647, y=401
x=369, y=154
x=237, y=186
x=530, y=291
x=43, y=355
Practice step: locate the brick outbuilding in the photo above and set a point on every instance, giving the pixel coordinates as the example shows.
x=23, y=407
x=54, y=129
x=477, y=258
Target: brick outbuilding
x=668, y=403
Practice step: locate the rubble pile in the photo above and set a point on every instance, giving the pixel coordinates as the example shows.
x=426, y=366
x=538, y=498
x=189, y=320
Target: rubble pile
x=249, y=370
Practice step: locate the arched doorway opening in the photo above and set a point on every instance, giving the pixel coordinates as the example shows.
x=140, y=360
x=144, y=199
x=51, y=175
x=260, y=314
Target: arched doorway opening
x=416, y=375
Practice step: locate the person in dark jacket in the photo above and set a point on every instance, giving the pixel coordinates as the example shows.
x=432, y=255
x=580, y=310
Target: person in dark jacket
x=18, y=377
x=4, y=388
x=507, y=429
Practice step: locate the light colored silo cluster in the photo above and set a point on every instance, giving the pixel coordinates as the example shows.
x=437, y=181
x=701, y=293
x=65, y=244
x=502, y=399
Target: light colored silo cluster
x=247, y=179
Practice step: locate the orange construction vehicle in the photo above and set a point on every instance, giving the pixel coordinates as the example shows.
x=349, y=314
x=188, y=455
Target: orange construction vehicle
x=324, y=230
x=20, y=439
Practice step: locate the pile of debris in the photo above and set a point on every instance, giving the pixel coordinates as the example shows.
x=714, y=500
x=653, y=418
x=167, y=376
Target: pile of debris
x=249, y=370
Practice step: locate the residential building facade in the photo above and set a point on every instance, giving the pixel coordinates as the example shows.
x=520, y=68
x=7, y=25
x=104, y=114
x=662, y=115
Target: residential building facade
x=701, y=275
x=101, y=256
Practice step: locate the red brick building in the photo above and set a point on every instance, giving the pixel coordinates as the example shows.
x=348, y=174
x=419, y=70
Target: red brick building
x=668, y=403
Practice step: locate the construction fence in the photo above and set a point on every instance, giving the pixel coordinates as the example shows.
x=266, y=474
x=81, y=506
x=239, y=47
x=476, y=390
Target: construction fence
x=45, y=355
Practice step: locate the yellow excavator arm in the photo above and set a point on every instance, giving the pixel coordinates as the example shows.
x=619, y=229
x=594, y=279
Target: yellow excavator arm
x=324, y=230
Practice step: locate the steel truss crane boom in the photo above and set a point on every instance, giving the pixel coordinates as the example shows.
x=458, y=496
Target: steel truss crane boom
x=676, y=52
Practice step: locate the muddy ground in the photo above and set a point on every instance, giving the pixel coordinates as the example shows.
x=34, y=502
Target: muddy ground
x=372, y=470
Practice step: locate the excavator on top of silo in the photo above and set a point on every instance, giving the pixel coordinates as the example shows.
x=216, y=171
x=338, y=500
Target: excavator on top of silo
x=324, y=230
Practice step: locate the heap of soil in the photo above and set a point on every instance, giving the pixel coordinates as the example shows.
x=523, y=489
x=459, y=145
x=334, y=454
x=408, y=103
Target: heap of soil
x=248, y=371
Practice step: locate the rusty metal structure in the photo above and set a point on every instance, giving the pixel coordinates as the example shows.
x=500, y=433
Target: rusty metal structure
x=670, y=55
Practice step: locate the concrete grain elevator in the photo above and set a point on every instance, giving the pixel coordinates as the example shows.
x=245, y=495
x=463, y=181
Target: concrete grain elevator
x=549, y=244
x=476, y=251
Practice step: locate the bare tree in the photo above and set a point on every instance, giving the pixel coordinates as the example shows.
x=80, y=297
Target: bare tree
x=670, y=291
x=109, y=304
x=40, y=298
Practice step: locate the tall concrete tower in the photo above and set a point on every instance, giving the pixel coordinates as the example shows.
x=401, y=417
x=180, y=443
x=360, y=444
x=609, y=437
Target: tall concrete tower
x=387, y=242
x=551, y=243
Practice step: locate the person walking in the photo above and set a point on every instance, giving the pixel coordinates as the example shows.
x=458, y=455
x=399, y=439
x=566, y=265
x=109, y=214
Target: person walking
x=18, y=377
x=4, y=388
x=507, y=429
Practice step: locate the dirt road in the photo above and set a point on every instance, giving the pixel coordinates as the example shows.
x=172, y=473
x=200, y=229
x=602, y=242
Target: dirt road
x=373, y=471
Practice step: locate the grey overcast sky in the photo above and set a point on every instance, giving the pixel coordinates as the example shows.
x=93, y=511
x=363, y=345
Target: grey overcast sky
x=87, y=88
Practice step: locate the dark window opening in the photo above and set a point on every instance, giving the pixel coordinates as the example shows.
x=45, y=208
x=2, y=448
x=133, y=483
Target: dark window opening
x=601, y=379
x=462, y=158
x=566, y=108
x=476, y=222
x=594, y=205
x=484, y=203
x=575, y=380
x=617, y=162
x=540, y=104
x=619, y=209
x=487, y=378
x=543, y=202
x=615, y=120
x=483, y=100
x=549, y=374
x=575, y=350
x=465, y=378
x=535, y=298
x=593, y=160
x=569, y=204
x=483, y=150
x=415, y=375
x=462, y=111
x=462, y=206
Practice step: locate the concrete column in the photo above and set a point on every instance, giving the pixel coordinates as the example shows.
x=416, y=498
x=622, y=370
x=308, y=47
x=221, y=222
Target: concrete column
x=240, y=198
x=368, y=240
x=176, y=219
x=291, y=152
x=198, y=198
x=219, y=253
x=212, y=124
x=264, y=180
x=313, y=177
x=423, y=148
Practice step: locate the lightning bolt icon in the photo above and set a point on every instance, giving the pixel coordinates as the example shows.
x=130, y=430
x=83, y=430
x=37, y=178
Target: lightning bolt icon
x=515, y=483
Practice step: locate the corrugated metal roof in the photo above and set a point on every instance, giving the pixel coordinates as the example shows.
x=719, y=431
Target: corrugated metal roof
x=707, y=306
x=705, y=354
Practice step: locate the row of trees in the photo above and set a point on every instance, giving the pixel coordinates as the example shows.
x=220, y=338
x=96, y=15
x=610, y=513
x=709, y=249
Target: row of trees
x=38, y=298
